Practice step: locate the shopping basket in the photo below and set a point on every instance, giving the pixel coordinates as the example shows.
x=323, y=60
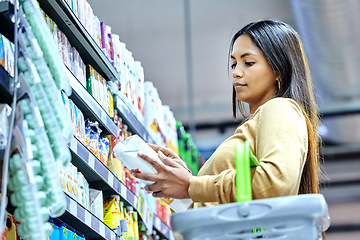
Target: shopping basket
x=300, y=217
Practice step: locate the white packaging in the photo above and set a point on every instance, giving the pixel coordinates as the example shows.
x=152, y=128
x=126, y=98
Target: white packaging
x=96, y=203
x=127, y=151
x=139, y=80
x=151, y=111
x=5, y=111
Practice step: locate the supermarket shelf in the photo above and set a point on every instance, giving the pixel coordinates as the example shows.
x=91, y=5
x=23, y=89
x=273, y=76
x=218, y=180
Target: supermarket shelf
x=85, y=222
x=97, y=174
x=6, y=19
x=5, y=85
x=90, y=107
x=99, y=177
x=68, y=23
x=131, y=120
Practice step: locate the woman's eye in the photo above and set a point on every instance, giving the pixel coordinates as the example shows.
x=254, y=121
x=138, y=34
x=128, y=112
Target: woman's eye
x=233, y=66
x=249, y=64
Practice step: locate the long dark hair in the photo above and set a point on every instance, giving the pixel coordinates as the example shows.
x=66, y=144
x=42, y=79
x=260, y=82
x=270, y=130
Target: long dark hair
x=284, y=52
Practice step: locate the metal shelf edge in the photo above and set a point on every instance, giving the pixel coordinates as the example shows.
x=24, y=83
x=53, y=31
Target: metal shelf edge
x=89, y=103
x=61, y=13
x=132, y=121
x=89, y=220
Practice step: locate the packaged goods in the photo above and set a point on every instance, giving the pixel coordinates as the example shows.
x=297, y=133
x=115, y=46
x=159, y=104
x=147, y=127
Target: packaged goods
x=7, y=60
x=83, y=191
x=94, y=136
x=139, y=84
x=114, y=164
x=103, y=150
x=55, y=235
x=96, y=203
x=65, y=233
x=127, y=153
x=112, y=213
x=5, y=112
x=151, y=116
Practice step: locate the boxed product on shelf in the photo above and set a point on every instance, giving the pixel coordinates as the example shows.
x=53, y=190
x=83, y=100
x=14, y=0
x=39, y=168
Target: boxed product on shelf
x=139, y=93
x=98, y=88
x=114, y=164
x=5, y=111
x=94, y=136
x=151, y=109
x=96, y=203
x=132, y=232
x=7, y=60
x=170, y=129
x=69, y=54
x=84, y=198
x=112, y=212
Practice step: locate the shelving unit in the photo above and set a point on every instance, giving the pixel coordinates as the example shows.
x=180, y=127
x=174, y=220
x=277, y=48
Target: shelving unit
x=131, y=120
x=100, y=177
x=84, y=221
x=90, y=107
x=5, y=86
x=6, y=16
x=79, y=38
x=96, y=173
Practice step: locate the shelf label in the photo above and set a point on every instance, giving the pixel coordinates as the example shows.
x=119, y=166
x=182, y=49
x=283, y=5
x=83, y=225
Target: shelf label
x=73, y=207
x=123, y=191
x=91, y=161
x=103, y=117
x=102, y=230
x=157, y=223
x=110, y=179
x=87, y=218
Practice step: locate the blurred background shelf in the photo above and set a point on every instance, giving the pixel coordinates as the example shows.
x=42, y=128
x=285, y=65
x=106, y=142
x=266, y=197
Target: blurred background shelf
x=79, y=38
x=131, y=120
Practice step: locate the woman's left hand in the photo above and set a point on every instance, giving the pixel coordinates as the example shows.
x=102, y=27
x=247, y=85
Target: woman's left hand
x=171, y=179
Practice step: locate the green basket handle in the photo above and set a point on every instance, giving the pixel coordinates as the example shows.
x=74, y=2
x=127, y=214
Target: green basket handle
x=244, y=159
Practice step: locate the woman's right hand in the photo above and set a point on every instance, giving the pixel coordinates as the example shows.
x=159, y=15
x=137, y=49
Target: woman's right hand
x=170, y=154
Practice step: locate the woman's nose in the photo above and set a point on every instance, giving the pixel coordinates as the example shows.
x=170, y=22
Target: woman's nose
x=237, y=72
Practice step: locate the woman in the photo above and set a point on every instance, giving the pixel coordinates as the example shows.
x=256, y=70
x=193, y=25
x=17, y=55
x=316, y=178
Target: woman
x=270, y=73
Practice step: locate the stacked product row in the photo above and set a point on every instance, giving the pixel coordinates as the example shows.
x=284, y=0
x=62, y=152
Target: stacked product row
x=88, y=133
x=7, y=60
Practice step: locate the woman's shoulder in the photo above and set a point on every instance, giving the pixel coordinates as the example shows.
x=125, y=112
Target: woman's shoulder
x=282, y=110
x=281, y=104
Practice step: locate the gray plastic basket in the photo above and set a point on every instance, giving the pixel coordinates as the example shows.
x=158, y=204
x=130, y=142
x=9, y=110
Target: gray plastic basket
x=291, y=217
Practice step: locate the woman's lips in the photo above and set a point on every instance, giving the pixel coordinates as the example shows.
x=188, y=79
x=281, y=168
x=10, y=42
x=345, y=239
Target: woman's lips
x=239, y=86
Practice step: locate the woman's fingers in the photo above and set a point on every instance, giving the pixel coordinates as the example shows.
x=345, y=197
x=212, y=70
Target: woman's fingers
x=150, y=160
x=165, y=159
x=144, y=176
x=166, y=151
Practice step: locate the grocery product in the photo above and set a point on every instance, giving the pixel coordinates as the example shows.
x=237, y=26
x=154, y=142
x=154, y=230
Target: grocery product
x=127, y=153
x=96, y=203
x=112, y=213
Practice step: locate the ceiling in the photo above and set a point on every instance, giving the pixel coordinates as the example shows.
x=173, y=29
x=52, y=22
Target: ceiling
x=192, y=76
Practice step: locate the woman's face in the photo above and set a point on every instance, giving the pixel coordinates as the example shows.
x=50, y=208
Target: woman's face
x=253, y=79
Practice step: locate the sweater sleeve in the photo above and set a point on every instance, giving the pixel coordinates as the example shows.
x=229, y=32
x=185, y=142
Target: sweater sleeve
x=281, y=147
x=215, y=182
